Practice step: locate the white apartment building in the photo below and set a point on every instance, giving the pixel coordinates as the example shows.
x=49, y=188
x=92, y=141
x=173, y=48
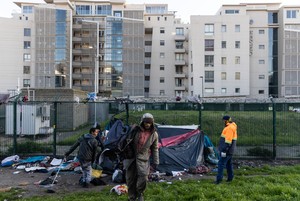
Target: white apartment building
x=118, y=49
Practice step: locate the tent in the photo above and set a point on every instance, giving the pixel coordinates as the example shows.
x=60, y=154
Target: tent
x=180, y=147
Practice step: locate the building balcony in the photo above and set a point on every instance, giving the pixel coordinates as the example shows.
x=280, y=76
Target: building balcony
x=179, y=37
x=180, y=50
x=180, y=88
x=76, y=63
x=180, y=62
x=76, y=39
x=180, y=75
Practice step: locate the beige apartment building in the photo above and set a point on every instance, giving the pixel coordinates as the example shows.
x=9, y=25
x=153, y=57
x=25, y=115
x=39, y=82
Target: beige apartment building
x=116, y=49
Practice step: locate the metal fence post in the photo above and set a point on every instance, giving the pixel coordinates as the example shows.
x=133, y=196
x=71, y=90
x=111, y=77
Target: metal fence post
x=200, y=115
x=274, y=128
x=54, y=129
x=15, y=126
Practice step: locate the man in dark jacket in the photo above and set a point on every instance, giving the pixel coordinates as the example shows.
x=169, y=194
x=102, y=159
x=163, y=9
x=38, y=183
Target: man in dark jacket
x=145, y=143
x=227, y=146
x=88, y=145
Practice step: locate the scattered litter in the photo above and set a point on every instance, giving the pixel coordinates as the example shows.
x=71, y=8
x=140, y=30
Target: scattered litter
x=169, y=182
x=23, y=183
x=5, y=189
x=16, y=172
x=120, y=189
x=56, y=161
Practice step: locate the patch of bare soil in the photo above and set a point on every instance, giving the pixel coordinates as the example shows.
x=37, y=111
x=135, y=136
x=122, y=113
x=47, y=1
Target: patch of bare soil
x=68, y=181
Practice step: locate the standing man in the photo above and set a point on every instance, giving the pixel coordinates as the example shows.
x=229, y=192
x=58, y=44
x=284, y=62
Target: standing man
x=88, y=147
x=145, y=143
x=227, y=146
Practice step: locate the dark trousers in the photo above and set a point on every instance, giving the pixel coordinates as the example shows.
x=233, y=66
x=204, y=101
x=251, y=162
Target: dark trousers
x=225, y=162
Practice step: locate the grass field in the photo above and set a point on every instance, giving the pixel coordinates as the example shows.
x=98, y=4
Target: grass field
x=262, y=184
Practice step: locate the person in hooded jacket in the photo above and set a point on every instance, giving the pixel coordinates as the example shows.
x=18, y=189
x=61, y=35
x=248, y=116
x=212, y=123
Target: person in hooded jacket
x=227, y=146
x=144, y=144
x=88, y=148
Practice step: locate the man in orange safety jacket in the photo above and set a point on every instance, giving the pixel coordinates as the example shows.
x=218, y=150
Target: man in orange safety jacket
x=227, y=145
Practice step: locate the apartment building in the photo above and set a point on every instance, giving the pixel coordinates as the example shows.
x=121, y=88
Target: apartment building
x=118, y=49
x=166, y=53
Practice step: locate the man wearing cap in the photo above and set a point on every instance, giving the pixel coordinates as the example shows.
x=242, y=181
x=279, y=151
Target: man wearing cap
x=145, y=143
x=227, y=146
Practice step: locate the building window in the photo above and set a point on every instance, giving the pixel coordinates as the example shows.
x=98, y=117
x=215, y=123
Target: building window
x=158, y=18
x=237, y=75
x=149, y=18
x=223, y=90
x=261, y=31
x=223, y=45
x=166, y=18
x=147, y=66
x=179, y=45
x=261, y=91
x=26, y=69
x=161, y=92
x=179, y=57
x=192, y=81
x=27, y=44
x=232, y=11
x=179, y=31
x=209, y=90
x=261, y=77
x=162, y=67
x=162, y=55
x=162, y=30
x=146, y=90
x=237, y=60
x=147, y=78
x=26, y=82
x=237, y=44
x=223, y=60
x=209, y=45
x=261, y=47
x=291, y=13
x=209, y=76
x=209, y=61
x=26, y=57
x=161, y=80
x=27, y=9
x=27, y=32
x=261, y=61
x=223, y=75
x=162, y=43
x=147, y=54
x=148, y=43
x=223, y=28
x=237, y=90
x=83, y=10
x=237, y=28
x=209, y=29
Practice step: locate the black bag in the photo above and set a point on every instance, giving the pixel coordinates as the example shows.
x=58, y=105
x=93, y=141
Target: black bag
x=126, y=146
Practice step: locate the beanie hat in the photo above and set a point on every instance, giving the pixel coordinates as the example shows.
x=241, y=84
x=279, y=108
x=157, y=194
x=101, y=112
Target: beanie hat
x=147, y=117
x=227, y=118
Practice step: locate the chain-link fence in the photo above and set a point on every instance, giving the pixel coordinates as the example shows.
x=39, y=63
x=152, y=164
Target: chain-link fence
x=265, y=130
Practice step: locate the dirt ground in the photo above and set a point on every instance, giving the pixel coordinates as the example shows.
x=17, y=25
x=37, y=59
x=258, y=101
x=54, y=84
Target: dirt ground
x=69, y=181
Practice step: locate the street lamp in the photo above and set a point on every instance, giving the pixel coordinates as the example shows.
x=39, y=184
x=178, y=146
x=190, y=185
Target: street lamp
x=202, y=91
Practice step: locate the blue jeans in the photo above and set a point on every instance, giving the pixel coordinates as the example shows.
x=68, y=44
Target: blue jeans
x=225, y=162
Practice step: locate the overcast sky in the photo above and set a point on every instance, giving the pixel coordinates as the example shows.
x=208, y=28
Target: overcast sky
x=184, y=8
